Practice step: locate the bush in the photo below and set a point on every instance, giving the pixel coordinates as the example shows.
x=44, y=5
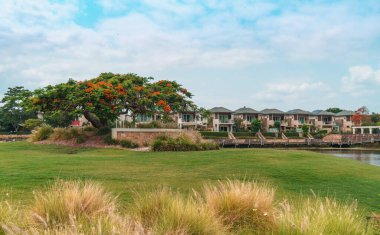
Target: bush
x=182, y=143
x=104, y=130
x=244, y=135
x=69, y=134
x=320, y=134
x=213, y=135
x=32, y=124
x=158, y=124
x=42, y=133
x=244, y=206
x=128, y=144
x=110, y=141
x=319, y=216
x=90, y=129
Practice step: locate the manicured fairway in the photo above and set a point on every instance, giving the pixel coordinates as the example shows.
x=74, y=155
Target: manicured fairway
x=25, y=167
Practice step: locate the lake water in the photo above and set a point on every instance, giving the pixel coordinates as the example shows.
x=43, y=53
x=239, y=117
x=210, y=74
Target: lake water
x=367, y=156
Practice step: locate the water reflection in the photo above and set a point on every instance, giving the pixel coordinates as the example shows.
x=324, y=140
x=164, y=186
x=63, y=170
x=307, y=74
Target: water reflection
x=369, y=157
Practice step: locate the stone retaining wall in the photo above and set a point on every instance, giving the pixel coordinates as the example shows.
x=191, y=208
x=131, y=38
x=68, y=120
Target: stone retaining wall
x=145, y=137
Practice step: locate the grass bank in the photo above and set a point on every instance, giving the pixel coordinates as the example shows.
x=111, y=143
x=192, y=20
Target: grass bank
x=25, y=167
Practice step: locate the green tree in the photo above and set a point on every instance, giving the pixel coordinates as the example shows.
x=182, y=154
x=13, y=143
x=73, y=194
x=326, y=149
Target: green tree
x=256, y=125
x=102, y=99
x=14, y=112
x=238, y=124
x=277, y=124
x=206, y=115
x=305, y=130
x=334, y=110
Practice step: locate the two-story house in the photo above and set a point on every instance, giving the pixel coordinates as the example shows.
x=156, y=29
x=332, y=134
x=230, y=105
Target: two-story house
x=270, y=116
x=323, y=120
x=296, y=118
x=247, y=115
x=221, y=119
x=344, y=120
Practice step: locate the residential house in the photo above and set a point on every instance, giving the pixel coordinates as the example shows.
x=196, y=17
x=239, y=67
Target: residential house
x=221, y=119
x=344, y=120
x=270, y=116
x=323, y=120
x=247, y=115
x=296, y=118
x=190, y=119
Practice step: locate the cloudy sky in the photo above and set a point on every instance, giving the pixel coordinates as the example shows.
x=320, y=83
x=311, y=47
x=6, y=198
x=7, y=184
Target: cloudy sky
x=307, y=54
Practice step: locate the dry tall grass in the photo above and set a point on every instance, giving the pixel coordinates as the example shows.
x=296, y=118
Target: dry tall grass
x=246, y=206
x=320, y=216
x=231, y=207
x=165, y=212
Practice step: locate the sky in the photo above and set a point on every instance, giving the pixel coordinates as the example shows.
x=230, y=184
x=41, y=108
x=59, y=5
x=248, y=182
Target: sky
x=260, y=54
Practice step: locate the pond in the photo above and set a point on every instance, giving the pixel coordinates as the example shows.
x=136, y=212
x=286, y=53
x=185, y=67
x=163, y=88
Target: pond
x=371, y=157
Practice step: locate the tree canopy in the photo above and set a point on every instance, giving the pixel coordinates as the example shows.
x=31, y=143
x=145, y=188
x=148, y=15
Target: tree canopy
x=105, y=97
x=334, y=110
x=13, y=111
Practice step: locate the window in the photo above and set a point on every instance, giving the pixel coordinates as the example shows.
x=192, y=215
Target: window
x=143, y=118
x=223, y=118
x=250, y=118
x=187, y=118
x=301, y=120
x=277, y=118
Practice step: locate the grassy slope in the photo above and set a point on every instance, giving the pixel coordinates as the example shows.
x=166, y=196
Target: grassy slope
x=25, y=167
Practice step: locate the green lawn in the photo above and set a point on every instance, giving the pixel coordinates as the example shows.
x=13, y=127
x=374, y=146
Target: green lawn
x=25, y=167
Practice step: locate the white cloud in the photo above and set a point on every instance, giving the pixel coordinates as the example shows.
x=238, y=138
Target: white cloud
x=40, y=44
x=293, y=94
x=362, y=79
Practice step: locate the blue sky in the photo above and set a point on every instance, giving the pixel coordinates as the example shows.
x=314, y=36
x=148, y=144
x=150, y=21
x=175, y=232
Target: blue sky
x=303, y=54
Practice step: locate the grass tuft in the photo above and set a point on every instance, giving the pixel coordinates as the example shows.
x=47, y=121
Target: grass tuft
x=320, y=216
x=242, y=205
x=165, y=212
x=64, y=202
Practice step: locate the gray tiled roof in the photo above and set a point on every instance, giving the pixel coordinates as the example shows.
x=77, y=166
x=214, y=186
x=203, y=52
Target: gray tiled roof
x=299, y=111
x=323, y=112
x=271, y=111
x=345, y=113
x=220, y=110
x=245, y=110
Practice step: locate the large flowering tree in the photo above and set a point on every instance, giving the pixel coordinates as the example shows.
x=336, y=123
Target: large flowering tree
x=105, y=97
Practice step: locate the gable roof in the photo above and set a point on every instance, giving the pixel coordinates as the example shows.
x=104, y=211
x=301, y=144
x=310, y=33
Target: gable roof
x=271, y=111
x=245, y=110
x=323, y=112
x=220, y=110
x=345, y=113
x=298, y=111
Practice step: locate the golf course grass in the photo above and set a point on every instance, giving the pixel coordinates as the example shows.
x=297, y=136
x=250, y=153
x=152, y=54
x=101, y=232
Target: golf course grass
x=25, y=167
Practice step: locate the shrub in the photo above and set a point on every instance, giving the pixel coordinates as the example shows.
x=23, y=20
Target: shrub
x=244, y=135
x=110, y=141
x=213, y=135
x=42, y=133
x=90, y=129
x=181, y=143
x=31, y=124
x=69, y=134
x=128, y=144
x=165, y=212
x=104, y=130
x=245, y=206
x=319, y=216
x=64, y=201
x=158, y=124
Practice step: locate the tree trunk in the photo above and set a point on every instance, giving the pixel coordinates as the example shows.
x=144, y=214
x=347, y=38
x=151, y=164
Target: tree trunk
x=93, y=119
